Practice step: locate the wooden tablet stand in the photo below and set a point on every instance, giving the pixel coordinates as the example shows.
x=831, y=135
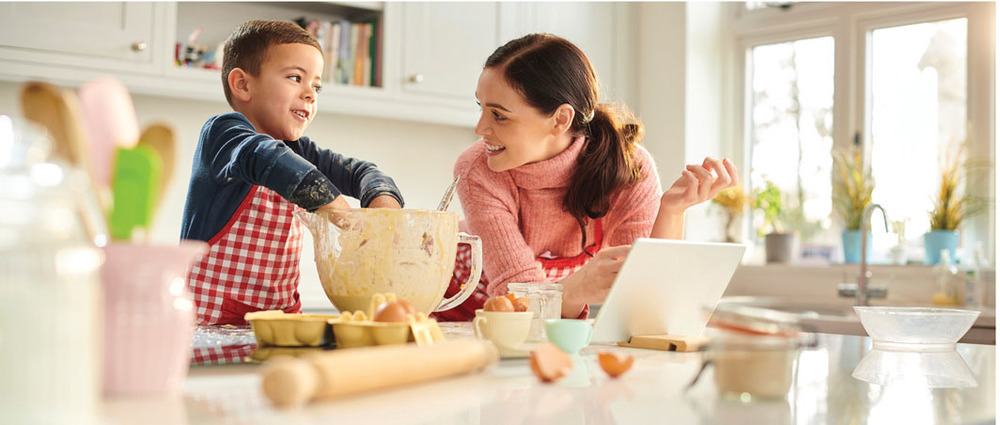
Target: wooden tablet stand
x=667, y=342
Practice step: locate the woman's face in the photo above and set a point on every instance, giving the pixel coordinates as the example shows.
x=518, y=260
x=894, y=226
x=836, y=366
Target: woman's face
x=515, y=132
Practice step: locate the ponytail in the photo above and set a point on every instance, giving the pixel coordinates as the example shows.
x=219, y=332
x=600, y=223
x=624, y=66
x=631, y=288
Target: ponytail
x=605, y=164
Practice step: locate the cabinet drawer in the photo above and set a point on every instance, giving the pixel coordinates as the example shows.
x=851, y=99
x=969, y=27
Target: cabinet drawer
x=86, y=34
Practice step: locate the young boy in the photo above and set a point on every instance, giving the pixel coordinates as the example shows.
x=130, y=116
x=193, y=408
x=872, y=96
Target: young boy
x=253, y=167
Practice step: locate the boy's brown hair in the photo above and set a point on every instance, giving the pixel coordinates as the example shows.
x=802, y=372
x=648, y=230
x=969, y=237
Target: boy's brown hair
x=246, y=48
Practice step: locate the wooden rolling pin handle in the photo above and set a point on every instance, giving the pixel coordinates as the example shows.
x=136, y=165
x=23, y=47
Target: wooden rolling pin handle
x=323, y=375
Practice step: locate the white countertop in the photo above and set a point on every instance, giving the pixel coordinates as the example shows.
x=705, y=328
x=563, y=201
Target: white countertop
x=823, y=392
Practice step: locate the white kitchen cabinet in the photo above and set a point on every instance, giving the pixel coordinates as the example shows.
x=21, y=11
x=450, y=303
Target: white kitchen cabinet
x=432, y=52
x=112, y=36
x=606, y=32
x=444, y=46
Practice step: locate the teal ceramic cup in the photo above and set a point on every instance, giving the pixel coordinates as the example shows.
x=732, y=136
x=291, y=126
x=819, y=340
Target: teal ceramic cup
x=570, y=335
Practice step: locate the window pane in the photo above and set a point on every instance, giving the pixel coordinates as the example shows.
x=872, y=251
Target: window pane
x=918, y=109
x=791, y=129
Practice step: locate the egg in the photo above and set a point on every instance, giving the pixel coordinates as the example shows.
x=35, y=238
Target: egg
x=522, y=304
x=614, y=364
x=393, y=311
x=549, y=363
x=500, y=303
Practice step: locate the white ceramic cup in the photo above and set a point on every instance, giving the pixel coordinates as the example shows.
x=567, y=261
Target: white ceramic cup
x=505, y=329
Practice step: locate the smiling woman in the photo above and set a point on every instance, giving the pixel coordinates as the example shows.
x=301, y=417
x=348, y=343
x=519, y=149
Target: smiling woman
x=559, y=186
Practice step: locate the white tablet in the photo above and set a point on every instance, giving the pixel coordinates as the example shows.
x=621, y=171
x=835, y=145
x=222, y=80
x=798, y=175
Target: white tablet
x=666, y=287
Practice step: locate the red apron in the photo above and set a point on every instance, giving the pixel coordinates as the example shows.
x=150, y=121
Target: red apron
x=555, y=270
x=252, y=263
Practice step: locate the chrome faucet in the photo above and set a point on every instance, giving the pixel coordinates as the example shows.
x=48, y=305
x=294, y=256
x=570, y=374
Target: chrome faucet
x=860, y=291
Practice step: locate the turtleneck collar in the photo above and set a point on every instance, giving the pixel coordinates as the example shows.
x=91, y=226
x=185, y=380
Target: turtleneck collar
x=551, y=173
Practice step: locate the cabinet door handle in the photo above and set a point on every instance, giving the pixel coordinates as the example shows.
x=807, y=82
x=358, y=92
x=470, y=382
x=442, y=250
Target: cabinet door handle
x=417, y=78
x=139, y=46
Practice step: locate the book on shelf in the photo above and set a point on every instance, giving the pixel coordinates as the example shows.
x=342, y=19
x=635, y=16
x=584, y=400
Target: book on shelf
x=352, y=51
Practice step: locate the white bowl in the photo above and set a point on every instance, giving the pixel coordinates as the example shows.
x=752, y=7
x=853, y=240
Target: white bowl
x=919, y=326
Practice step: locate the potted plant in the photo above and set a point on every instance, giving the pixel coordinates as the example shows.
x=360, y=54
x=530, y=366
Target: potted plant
x=779, y=246
x=852, y=192
x=950, y=207
x=732, y=201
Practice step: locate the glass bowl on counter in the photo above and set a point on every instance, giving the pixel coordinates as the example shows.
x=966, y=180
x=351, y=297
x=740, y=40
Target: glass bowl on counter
x=915, y=328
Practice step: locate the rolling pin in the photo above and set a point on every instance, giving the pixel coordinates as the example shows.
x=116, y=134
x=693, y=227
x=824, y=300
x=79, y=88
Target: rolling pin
x=290, y=381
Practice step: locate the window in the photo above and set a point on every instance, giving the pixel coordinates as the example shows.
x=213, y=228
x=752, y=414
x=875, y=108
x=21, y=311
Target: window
x=792, y=128
x=905, y=82
x=918, y=112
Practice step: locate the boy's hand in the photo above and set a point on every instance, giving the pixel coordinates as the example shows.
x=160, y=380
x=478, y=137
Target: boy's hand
x=339, y=203
x=334, y=213
x=384, y=201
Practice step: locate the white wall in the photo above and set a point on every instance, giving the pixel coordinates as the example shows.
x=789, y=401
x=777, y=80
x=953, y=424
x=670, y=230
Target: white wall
x=418, y=156
x=680, y=78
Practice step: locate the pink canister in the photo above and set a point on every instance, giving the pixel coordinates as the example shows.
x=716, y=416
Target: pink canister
x=148, y=316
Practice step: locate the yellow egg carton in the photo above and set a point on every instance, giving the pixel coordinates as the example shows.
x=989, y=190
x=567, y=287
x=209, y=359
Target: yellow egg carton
x=356, y=330
x=262, y=353
x=275, y=328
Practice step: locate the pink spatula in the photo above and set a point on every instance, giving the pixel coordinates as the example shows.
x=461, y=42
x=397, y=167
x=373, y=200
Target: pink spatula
x=110, y=122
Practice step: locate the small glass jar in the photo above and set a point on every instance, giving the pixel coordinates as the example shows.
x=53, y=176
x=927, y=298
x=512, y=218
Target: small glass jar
x=754, y=351
x=545, y=301
x=754, y=366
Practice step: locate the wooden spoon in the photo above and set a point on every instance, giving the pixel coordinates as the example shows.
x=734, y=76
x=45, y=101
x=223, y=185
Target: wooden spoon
x=59, y=112
x=160, y=137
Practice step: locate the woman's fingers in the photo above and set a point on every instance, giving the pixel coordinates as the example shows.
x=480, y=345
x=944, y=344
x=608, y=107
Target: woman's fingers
x=705, y=181
x=733, y=173
x=723, y=178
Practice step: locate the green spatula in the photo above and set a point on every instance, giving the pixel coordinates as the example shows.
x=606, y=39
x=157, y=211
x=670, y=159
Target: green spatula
x=136, y=186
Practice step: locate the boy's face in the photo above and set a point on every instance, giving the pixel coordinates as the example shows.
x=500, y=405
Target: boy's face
x=283, y=97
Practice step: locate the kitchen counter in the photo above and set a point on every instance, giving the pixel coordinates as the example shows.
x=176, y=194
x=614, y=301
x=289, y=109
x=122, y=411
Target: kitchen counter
x=654, y=391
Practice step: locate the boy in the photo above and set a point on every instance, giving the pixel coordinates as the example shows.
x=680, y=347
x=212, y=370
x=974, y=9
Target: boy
x=253, y=167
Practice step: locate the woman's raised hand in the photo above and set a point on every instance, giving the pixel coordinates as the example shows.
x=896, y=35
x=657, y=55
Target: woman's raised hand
x=699, y=183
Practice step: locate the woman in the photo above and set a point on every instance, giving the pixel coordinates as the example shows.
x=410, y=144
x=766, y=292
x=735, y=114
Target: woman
x=559, y=187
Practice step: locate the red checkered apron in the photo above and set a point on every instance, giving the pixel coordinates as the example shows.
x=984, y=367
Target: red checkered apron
x=555, y=270
x=252, y=263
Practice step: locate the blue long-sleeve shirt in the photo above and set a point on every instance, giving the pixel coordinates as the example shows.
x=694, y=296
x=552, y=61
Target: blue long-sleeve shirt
x=232, y=157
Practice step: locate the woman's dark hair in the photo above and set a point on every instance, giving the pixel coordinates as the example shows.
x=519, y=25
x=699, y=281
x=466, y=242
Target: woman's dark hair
x=549, y=71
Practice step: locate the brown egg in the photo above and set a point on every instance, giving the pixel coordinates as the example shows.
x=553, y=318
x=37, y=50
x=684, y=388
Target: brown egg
x=549, y=363
x=522, y=304
x=408, y=307
x=394, y=311
x=501, y=303
x=614, y=364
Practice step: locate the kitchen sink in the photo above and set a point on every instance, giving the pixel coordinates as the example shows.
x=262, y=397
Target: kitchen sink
x=836, y=316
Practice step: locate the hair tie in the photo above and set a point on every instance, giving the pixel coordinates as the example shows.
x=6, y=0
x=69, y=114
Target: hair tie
x=589, y=117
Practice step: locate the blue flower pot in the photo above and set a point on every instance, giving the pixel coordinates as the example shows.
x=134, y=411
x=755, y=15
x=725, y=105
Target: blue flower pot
x=935, y=241
x=852, y=246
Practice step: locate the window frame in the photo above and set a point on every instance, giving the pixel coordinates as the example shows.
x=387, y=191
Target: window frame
x=850, y=25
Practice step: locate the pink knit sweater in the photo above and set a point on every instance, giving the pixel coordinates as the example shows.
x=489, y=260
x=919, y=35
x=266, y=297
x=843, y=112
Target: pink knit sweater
x=519, y=213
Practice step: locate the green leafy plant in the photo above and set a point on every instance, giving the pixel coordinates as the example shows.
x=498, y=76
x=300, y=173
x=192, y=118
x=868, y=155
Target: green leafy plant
x=952, y=204
x=770, y=200
x=852, y=186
